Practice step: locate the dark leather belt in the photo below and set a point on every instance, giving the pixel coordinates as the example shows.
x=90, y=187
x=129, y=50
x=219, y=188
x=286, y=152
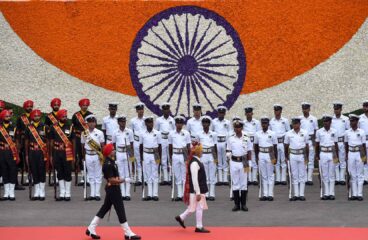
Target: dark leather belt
x=178, y=151
x=221, y=139
x=354, y=148
x=207, y=150
x=264, y=149
x=297, y=151
x=237, y=159
x=149, y=150
x=165, y=135
x=326, y=149
x=121, y=149
x=340, y=139
x=109, y=137
x=280, y=139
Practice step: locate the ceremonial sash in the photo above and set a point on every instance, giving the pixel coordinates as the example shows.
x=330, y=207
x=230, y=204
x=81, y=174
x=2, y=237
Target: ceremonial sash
x=81, y=121
x=39, y=141
x=25, y=120
x=10, y=142
x=67, y=143
x=52, y=118
x=94, y=145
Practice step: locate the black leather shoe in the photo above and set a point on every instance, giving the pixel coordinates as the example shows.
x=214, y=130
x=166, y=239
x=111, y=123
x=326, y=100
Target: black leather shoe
x=284, y=183
x=255, y=183
x=263, y=198
x=244, y=208
x=270, y=198
x=225, y=183
x=250, y=183
x=365, y=183
x=134, y=237
x=127, y=198
x=97, y=198
x=90, y=198
x=80, y=184
x=293, y=199
x=343, y=183
x=231, y=199
x=302, y=198
x=42, y=199
x=277, y=183
x=177, y=199
x=236, y=208
x=360, y=198
x=211, y=198
x=138, y=184
x=148, y=198
x=325, y=197
x=337, y=183
x=218, y=184
x=58, y=199
x=201, y=230
x=93, y=236
x=155, y=198
x=309, y=183
x=181, y=222
x=19, y=187
x=162, y=183
x=67, y=199
x=352, y=198
x=35, y=198
x=331, y=197
x=13, y=198
x=4, y=198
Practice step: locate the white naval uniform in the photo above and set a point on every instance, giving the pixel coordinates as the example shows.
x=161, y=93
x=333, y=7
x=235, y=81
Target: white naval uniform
x=340, y=124
x=121, y=139
x=137, y=125
x=280, y=127
x=310, y=125
x=355, y=163
x=150, y=140
x=297, y=141
x=251, y=127
x=179, y=140
x=222, y=129
x=194, y=126
x=165, y=126
x=327, y=140
x=110, y=125
x=363, y=124
x=93, y=165
x=209, y=140
x=266, y=140
x=238, y=147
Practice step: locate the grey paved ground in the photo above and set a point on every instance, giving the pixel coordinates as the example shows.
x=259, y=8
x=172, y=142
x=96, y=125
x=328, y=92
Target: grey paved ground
x=281, y=212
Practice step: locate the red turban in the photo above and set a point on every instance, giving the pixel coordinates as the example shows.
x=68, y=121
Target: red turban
x=2, y=104
x=61, y=113
x=55, y=101
x=35, y=112
x=84, y=101
x=4, y=113
x=28, y=103
x=107, y=150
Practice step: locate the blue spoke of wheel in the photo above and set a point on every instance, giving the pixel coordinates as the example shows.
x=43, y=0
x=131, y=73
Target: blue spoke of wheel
x=203, y=91
x=194, y=88
x=169, y=70
x=161, y=50
x=188, y=94
x=158, y=57
x=215, y=57
x=161, y=81
x=205, y=83
x=216, y=73
x=186, y=35
x=208, y=43
x=192, y=43
x=178, y=81
x=182, y=85
x=167, y=44
x=166, y=87
x=212, y=50
x=214, y=80
x=179, y=36
x=172, y=40
x=198, y=45
x=217, y=65
x=158, y=65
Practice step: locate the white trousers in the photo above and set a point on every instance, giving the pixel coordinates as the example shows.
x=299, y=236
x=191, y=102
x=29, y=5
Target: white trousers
x=328, y=173
x=267, y=174
x=366, y=167
x=94, y=169
x=239, y=178
x=298, y=173
x=179, y=168
x=222, y=165
x=210, y=168
x=280, y=167
x=165, y=160
x=356, y=170
x=138, y=171
x=125, y=172
x=340, y=168
x=150, y=168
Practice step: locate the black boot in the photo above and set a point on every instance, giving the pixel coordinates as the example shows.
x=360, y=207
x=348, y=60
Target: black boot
x=243, y=200
x=236, y=201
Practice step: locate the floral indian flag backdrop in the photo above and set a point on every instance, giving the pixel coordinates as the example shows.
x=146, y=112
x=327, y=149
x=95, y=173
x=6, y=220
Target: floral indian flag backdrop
x=213, y=52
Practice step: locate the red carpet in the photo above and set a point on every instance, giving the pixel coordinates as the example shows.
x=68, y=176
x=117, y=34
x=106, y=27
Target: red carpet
x=176, y=233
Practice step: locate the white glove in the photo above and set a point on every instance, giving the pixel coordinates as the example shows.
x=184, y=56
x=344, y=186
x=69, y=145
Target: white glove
x=127, y=180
